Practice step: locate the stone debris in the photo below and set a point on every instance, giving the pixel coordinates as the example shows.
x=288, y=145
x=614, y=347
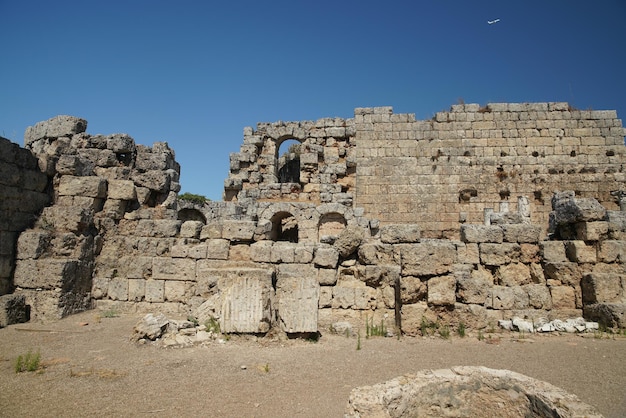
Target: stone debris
x=573, y=325
x=175, y=333
x=466, y=391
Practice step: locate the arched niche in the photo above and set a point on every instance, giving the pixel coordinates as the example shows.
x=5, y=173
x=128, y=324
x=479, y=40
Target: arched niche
x=288, y=159
x=330, y=226
x=284, y=227
x=191, y=214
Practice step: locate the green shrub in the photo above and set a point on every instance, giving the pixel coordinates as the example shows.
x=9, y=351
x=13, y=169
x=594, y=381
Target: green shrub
x=194, y=198
x=461, y=329
x=28, y=362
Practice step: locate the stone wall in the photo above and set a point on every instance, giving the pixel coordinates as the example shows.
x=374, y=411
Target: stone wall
x=303, y=256
x=23, y=194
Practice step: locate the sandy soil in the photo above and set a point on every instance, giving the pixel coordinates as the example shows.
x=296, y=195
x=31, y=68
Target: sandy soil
x=93, y=369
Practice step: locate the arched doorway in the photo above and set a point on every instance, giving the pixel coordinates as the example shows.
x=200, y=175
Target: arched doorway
x=284, y=227
x=288, y=161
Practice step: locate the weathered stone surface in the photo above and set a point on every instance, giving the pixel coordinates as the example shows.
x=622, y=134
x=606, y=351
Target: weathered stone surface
x=32, y=244
x=412, y=315
x=567, y=273
x=160, y=228
x=327, y=277
x=283, y=252
x=349, y=240
x=217, y=249
x=238, y=230
x=55, y=127
x=481, y=233
x=612, y=251
x=326, y=256
x=412, y=289
x=441, y=290
x=155, y=290
x=603, y=288
x=261, y=251
x=563, y=297
x=513, y=274
x=247, y=302
x=580, y=252
x=569, y=209
x=428, y=258
x=90, y=186
x=498, y=254
x=374, y=253
x=521, y=233
x=609, y=314
x=298, y=300
x=465, y=391
x=13, y=310
x=150, y=327
x=616, y=224
x=121, y=189
x=592, y=231
x=166, y=268
x=553, y=251
x=475, y=288
x=500, y=297
x=395, y=234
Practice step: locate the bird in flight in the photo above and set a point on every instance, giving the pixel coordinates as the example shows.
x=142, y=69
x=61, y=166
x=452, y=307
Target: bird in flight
x=491, y=22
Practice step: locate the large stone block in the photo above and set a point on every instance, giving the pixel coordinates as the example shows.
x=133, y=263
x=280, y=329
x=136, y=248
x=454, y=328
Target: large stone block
x=428, y=258
x=159, y=228
x=475, y=287
x=327, y=277
x=375, y=253
x=122, y=190
x=283, y=252
x=442, y=290
x=612, y=252
x=298, y=301
x=217, y=249
x=538, y=296
x=513, y=274
x=326, y=256
x=501, y=297
x=521, y=233
x=603, y=288
x=563, y=297
x=73, y=219
x=118, y=288
x=592, y=231
x=499, y=254
x=176, y=291
x=580, y=252
x=400, y=233
x=90, y=186
x=553, y=251
x=349, y=240
x=567, y=273
x=238, y=230
x=569, y=209
x=247, y=302
x=377, y=276
x=47, y=273
x=155, y=291
x=55, y=127
x=481, y=233
x=261, y=251
x=616, y=224
x=32, y=244
x=609, y=314
x=166, y=268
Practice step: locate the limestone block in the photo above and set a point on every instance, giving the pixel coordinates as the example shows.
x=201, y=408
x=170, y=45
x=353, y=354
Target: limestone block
x=90, y=186
x=283, y=252
x=530, y=253
x=135, y=267
x=114, y=208
x=156, y=180
x=47, y=273
x=260, y=251
x=155, y=291
x=247, y=302
x=412, y=317
x=538, y=296
x=166, y=268
x=326, y=297
x=521, y=233
x=217, y=249
x=610, y=314
x=72, y=219
x=160, y=228
x=32, y=244
x=602, y=288
x=481, y=233
x=563, y=297
x=376, y=276
x=303, y=271
x=326, y=256
x=553, y=251
x=349, y=240
x=612, y=251
x=238, y=230
x=191, y=229
x=13, y=310
x=303, y=253
x=211, y=230
x=412, y=289
x=513, y=274
x=327, y=277
x=55, y=127
x=592, y=231
x=569, y=209
x=136, y=290
x=616, y=224
x=298, y=302
x=375, y=253
x=567, y=273
x=579, y=252
x=441, y=290
x=499, y=254
x=100, y=287
x=120, y=143
x=501, y=297
x=536, y=273
x=430, y=257
x=475, y=288
x=343, y=297
x=400, y=233
x=118, y=288
x=121, y=190
x=468, y=253
x=175, y=291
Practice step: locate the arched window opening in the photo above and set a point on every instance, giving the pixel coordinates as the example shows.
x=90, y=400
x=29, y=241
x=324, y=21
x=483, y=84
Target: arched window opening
x=189, y=214
x=331, y=226
x=288, y=167
x=284, y=227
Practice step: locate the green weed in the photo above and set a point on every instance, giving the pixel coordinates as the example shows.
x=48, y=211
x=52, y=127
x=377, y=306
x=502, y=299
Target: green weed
x=444, y=332
x=372, y=330
x=212, y=325
x=28, y=362
x=461, y=329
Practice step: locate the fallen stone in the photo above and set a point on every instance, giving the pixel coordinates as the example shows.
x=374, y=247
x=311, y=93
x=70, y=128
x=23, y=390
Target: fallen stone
x=150, y=327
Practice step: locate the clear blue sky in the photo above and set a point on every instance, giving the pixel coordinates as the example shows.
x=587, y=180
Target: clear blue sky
x=195, y=73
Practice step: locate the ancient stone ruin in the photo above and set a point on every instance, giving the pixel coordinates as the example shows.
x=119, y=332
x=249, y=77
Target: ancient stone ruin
x=478, y=215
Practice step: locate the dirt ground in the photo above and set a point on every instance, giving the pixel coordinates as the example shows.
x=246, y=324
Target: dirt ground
x=91, y=368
